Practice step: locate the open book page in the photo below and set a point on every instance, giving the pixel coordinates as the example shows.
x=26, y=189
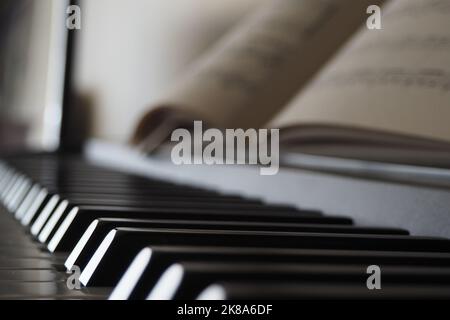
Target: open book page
x=393, y=80
x=245, y=79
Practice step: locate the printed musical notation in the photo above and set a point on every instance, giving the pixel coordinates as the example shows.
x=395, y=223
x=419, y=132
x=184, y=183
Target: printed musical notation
x=269, y=44
x=435, y=79
x=430, y=43
x=416, y=8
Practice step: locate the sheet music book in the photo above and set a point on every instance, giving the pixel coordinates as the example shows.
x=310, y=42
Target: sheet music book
x=333, y=86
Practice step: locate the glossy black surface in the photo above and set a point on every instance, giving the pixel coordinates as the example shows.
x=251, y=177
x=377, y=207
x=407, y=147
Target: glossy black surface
x=243, y=247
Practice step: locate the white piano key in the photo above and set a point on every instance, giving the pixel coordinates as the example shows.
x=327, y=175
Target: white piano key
x=51, y=222
x=213, y=292
x=96, y=258
x=32, y=211
x=20, y=195
x=9, y=183
x=44, y=214
x=12, y=191
x=27, y=201
x=3, y=177
x=167, y=285
x=80, y=245
x=4, y=180
x=131, y=277
x=62, y=230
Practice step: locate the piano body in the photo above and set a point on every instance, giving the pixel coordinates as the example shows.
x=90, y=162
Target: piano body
x=115, y=224
x=111, y=223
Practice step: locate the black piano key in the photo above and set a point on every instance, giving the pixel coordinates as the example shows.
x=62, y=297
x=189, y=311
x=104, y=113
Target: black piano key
x=98, y=178
x=39, y=220
x=148, y=265
x=118, y=183
x=43, y=201
x=11, y=180
x=185, y=280
x=47, y=222
x=29, y=215
x=142, y=193
x=16, y=199
x=13, y=190
x=136, y=197
x=94, y=181
x=99, y=228
x=75, y=180
x=122, y=190
x=122, y=244
x=27, y=201
x=37, y=216
x=317, y=291
x=174, y=202
x=76, y=222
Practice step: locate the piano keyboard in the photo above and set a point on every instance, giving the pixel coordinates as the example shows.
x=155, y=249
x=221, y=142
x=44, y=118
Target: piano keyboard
x=138, y=238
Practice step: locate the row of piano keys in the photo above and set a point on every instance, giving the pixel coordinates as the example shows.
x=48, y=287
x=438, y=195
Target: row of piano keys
x=138, y=238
